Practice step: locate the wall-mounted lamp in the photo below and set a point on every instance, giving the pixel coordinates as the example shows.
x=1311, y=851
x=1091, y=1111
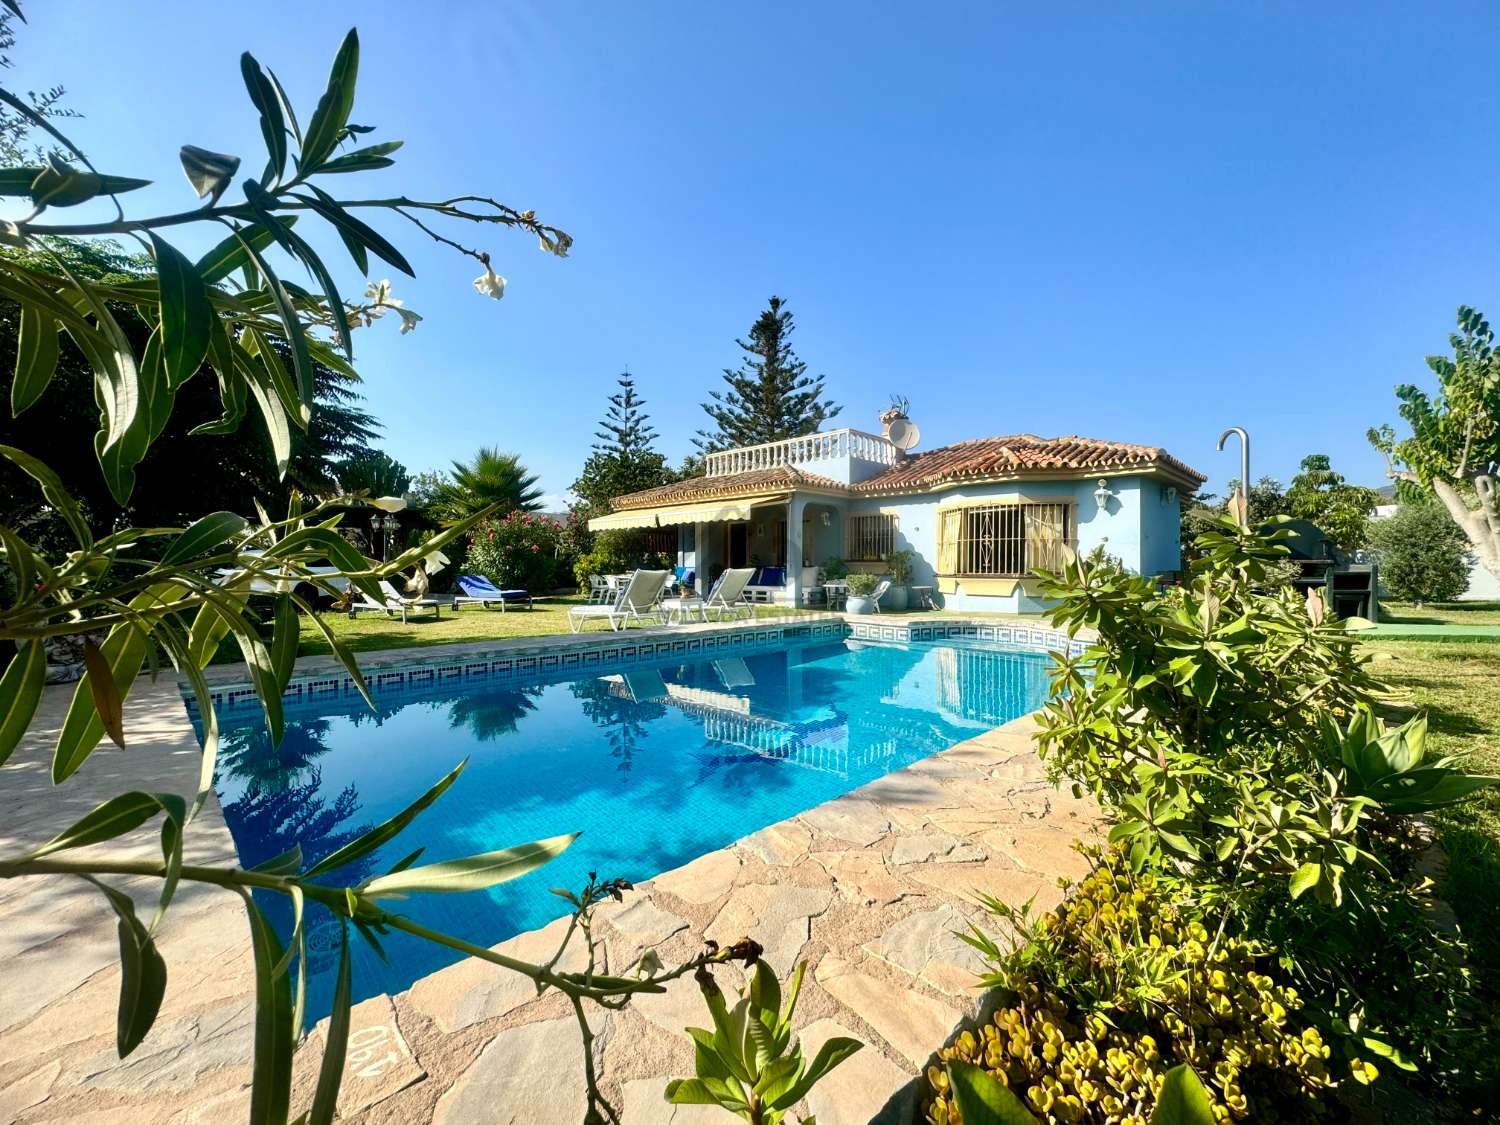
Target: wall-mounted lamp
x=1103, y=495
x=827, y=519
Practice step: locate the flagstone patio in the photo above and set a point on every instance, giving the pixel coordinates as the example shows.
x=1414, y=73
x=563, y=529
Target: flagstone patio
x=868, y=889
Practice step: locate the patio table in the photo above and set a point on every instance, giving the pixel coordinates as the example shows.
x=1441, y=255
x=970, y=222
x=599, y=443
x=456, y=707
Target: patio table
x=676, y=611
x=837, y=593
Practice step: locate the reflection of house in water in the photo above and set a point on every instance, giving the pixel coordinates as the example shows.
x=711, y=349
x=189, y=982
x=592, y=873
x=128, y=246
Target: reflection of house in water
x=982, y=686
x=821, y=743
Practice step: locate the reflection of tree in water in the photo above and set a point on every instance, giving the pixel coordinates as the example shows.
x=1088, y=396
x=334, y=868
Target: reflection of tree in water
x=246, y=755
x=493, y=713
x=623, y=720
x=268, y=821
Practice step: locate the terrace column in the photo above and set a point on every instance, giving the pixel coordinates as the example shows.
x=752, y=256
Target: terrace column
x=794, y=507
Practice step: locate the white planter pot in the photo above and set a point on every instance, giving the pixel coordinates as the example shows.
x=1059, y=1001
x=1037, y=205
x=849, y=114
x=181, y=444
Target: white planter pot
x=860, y=605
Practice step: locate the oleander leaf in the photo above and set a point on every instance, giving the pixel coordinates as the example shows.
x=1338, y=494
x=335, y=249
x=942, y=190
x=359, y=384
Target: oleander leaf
x=143, y=973
x=331, y=1070
x=272, y=125
x=53, y=491
x=20, y=692
x=186, y=315
x=203, y=536
x=113, y=818
x=271, y=1078
x=326, y=125
x=471, y=873
x=36, y=357
x=382, y=833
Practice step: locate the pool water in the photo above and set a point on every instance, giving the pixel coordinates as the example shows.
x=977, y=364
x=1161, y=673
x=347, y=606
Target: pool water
x=655, y=764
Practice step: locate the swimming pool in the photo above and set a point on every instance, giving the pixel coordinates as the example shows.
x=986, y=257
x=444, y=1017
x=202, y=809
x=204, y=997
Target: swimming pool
x=656, y=762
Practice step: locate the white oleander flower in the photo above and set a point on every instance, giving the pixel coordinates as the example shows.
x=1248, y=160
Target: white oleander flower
x=379, y=293
x=409, y=320
x=389, y=503
x=650, y=963
x=434, y=562
x=491, y=284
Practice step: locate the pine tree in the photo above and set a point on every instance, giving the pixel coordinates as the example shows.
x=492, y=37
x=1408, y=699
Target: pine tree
x=626, y=430
x=622, y=459
x=770, y=396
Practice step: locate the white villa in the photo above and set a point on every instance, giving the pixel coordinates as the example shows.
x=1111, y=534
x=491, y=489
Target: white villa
x=980, y=516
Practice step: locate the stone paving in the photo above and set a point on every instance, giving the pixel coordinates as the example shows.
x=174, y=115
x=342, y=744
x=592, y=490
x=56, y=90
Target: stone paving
x=869, y=889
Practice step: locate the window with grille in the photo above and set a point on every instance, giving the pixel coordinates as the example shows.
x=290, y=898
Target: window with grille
x=1005, y=540
x=869, y=538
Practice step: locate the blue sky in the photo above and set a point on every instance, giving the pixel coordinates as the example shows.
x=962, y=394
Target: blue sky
x=1140, y=222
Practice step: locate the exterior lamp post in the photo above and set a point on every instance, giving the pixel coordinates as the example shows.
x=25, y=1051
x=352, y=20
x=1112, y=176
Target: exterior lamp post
x=382, y=527
x=1103, y=495
x=1240, y=502
x=389, y=523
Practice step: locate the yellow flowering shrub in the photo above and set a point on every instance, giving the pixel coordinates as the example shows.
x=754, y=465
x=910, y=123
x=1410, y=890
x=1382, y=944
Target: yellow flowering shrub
x=1122, y=983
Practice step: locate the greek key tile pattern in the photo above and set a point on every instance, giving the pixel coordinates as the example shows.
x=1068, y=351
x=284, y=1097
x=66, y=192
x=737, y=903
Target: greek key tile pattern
x=522, y=663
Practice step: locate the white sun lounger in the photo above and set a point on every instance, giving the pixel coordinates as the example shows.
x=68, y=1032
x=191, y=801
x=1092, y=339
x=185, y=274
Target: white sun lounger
x=637, y=603
x=395, y=602
x=727, y=598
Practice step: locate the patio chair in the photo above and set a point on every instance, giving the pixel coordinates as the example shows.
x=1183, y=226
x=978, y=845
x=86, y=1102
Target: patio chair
x=396, y=602
x=637, y=603
x=728, y=595
x=879, y=592
x=598, y=589
x=477, y=588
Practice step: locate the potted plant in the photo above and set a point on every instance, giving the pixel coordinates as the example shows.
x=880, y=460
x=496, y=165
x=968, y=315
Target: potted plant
x=861, y=586
x=899, y=565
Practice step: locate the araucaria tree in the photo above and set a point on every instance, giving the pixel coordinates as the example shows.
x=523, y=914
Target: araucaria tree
x=1454, y=448
x=622, y=460
x=770, y=396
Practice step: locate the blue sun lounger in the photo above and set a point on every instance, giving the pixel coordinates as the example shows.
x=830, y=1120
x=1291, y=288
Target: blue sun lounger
x=476, y=588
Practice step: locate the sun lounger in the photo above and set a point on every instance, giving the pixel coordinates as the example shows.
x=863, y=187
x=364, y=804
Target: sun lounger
x=637, y=603
x=727, y=598
x=475, y=588
x=396, y=602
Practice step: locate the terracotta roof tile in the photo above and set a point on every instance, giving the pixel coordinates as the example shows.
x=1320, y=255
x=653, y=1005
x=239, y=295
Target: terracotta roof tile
x=978, y=459
x=1018, y=454
x=782, y=478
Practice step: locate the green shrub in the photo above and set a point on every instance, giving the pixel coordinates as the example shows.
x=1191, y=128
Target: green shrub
x=1195, y=715
x=1423, y=554
x=862, y=585
x=1124, y=981
x=518, y=551
x=898, y=565
x=619, y=552
x=832, y=570
x=1225, y=727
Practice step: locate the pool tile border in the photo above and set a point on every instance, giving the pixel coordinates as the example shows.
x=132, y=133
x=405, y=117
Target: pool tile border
x=400, y=670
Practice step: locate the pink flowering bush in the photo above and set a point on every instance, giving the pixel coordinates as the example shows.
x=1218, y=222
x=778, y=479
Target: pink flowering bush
x=519, y=551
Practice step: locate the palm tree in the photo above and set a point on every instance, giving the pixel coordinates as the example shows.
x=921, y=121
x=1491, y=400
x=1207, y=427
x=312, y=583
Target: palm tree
x=491, y=477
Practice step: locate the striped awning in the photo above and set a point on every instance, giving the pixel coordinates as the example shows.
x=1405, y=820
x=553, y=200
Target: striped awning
x=716, y=511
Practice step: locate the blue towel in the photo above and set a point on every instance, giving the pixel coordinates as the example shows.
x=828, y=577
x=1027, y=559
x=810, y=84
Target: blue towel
x=477, y=586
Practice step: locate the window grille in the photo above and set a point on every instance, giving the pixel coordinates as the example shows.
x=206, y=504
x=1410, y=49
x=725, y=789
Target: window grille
x=1006, y=540
x=869, y=538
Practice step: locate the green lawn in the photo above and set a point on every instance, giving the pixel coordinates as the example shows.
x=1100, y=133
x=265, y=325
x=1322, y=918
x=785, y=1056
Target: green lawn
x=372, y=631
x=1441, y=613
x=1458, y=685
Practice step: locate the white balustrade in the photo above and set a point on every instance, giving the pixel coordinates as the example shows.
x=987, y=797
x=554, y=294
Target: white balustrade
x=823, y=446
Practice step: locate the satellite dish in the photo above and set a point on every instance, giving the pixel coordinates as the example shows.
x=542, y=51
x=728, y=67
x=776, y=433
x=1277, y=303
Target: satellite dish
x=903, y=433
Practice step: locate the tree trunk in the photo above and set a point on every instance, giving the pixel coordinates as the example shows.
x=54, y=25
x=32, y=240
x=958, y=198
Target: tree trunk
x=1480, y=525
